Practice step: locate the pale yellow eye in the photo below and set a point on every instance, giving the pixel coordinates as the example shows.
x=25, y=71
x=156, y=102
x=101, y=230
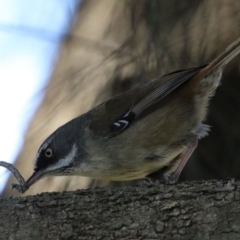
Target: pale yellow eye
x=48, y=152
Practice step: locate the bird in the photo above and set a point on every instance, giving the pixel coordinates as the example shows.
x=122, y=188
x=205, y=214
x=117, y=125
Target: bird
x=147, y=132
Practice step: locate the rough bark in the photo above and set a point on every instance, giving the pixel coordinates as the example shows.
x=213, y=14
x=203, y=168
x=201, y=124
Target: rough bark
x=190, y=210
x=113, y=46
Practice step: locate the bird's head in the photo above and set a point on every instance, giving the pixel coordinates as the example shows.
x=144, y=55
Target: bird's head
x=59, y=153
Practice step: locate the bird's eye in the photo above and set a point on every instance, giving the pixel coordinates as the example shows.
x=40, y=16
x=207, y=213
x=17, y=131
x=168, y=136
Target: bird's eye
x=48, y=152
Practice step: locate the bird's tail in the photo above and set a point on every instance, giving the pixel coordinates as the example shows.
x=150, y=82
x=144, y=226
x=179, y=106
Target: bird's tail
x=230, y=52
x=207, y=79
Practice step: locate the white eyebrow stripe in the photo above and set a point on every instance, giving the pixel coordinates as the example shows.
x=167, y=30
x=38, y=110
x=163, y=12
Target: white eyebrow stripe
x=64, y=162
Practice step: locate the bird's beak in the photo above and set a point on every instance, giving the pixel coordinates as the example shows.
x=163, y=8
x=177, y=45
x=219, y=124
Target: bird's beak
x=37, y=175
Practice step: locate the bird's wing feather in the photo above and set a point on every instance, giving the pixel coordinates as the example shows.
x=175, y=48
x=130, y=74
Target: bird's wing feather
x=168, y=84
x=163, y=90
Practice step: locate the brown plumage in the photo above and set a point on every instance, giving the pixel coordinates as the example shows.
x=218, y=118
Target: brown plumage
x=150, y=131
x=164, y=132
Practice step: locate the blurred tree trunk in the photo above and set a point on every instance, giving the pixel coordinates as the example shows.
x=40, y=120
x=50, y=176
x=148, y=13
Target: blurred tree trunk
x=194, y=210
x=113, y=46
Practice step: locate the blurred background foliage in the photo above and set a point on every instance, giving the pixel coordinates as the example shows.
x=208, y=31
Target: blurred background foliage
x=113, y=46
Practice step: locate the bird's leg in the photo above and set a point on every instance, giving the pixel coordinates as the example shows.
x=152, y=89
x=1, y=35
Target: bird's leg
x=192, y=142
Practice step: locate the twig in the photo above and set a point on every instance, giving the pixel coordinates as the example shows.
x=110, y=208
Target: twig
x=22, y=187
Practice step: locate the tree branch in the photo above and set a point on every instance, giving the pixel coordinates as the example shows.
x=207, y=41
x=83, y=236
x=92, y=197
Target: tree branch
x=22, y=186
x=189, y=210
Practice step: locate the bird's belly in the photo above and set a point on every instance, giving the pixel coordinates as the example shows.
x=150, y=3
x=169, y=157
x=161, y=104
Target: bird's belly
x=125, y=168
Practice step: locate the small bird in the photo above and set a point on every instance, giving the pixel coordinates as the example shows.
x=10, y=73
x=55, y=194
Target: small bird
x=150, y=131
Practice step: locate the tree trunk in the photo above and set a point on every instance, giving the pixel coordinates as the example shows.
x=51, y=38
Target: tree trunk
x=189, y=210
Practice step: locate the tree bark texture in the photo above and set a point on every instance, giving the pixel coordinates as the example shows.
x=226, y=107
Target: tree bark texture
x=189, y=210
x=115, y=45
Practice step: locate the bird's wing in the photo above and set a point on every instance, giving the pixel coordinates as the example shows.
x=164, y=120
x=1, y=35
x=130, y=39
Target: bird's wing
x=113, y=116
x=168, y=84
